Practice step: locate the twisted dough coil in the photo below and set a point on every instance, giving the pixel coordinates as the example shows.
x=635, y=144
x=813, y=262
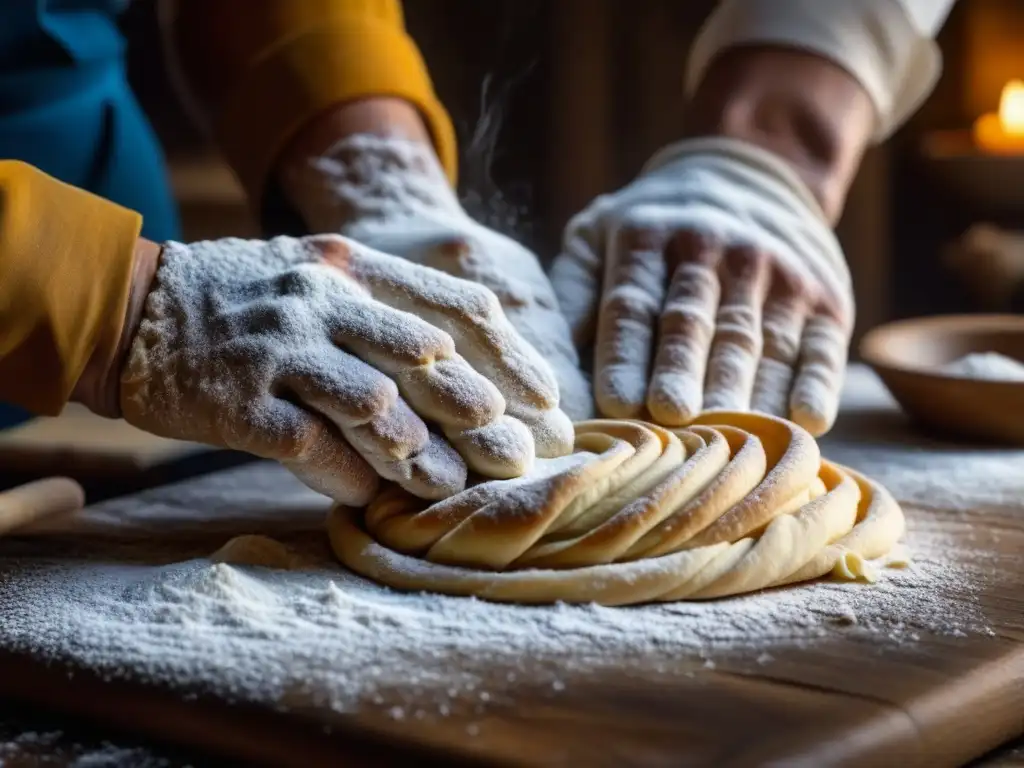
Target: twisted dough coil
x=734, y=503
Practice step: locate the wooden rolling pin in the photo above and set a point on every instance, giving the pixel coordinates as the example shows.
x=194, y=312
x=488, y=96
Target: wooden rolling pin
x=25, y=504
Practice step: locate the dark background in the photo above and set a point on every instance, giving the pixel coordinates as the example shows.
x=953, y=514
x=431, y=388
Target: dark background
x=586, y=90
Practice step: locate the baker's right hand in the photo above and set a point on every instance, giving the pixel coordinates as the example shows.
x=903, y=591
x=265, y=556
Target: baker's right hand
x=333, y=358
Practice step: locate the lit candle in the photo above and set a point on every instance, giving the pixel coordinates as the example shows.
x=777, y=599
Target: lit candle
x=1002, y=133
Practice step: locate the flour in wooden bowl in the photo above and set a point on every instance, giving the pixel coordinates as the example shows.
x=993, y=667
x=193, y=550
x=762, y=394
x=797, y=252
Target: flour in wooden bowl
x=985, y=366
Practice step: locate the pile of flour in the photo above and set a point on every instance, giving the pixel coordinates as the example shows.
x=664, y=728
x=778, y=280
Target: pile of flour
x=324, y=638
x=320, y=639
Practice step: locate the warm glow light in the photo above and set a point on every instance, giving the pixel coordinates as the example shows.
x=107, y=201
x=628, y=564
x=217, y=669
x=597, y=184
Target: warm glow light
x=1002, y=132
x=1011, y=108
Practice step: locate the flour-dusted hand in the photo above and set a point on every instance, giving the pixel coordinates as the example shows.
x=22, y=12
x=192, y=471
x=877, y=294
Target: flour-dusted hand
x=392, y=195
x=712, y=281
x=332, y=358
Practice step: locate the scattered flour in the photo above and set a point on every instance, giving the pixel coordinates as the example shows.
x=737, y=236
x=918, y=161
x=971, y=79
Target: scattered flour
x=51, y=747
x=324, y=641
x=874, y=438
x=985, y=366
x=327, y=639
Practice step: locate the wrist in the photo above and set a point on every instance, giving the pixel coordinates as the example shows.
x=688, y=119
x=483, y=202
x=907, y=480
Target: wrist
x=99, y=386
x=799, y=106
x=361, y=162
x=382, y=116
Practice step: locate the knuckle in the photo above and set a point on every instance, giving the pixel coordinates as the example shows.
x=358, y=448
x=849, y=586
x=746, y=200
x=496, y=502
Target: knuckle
x=379, y=395
x=432, y=343
x=686, y=320
x=283, y=435
x=822, y=356
x=630, y=303
x=781, y=342
x=645, y=268
x=744, y=262
x=744, y=316
x=828, y=356
x=461, y=252
x=694, y=282
x=835, y=310
x=737, y=326
x=333, y=249
x=739, y=338
x=789, y=287
x=636, y=234
x=479, y=301
x=691, y=246
x=273, y=318
x=300, y=282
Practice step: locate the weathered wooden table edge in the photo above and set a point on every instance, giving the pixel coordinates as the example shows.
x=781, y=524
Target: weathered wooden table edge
x=878, y=732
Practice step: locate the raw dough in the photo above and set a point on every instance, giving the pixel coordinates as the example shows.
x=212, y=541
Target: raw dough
x=262, y=551
x=734, y=503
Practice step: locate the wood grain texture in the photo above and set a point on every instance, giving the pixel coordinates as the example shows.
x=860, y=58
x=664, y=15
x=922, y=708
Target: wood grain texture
x=107, y=457
x=833, y=698
x=78, y=441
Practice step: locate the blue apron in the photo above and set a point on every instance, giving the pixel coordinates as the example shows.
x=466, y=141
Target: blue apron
x=66, y=108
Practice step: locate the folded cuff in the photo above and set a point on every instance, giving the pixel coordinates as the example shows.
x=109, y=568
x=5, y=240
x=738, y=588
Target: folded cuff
x=876, y=41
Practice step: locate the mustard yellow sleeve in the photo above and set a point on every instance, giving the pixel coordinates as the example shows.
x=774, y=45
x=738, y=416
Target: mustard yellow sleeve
x=65, y=272
x=266, y=68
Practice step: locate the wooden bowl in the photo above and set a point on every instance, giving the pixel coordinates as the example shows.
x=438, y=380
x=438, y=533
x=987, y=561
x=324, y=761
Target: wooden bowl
x=907, y=355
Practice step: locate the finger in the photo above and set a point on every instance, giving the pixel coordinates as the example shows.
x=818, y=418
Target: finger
x=471, y=315
x=814, y=403
x=634, y=289
x=439, y=384
x=737, y=343
x=528, y=301
x=420, y=358
x=785, y=312
x=311, y=447
x=576, y=277
x=686, y=327
x=366, y=407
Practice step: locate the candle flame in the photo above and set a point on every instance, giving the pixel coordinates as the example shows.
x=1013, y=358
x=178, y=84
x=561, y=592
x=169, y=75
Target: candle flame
x=1011, y=108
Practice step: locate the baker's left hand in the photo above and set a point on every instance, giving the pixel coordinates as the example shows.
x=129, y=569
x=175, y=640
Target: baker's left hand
x=713, y=281
x=393, y=196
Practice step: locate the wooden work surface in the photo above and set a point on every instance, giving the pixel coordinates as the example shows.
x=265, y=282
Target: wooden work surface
x=79, y=437
x=844, y=695
x=108, y=457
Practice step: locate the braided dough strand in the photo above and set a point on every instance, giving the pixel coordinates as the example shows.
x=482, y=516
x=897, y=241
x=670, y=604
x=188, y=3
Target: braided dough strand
x=735, y=503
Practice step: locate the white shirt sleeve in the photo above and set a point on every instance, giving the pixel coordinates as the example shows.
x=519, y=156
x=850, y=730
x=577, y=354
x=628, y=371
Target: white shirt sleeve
x=888, y=45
